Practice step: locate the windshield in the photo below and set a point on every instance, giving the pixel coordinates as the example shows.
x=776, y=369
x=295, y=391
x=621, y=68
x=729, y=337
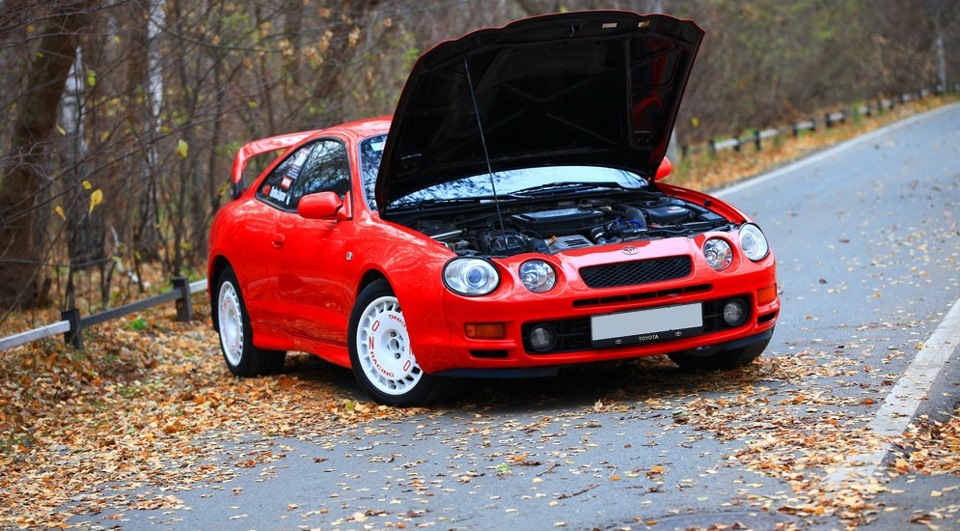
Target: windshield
x=527, y=182
x=524, y=182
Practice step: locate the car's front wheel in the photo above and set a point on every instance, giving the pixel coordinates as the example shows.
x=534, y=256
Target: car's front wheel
x=721, y=360
x=380, y=352
x=236, y=334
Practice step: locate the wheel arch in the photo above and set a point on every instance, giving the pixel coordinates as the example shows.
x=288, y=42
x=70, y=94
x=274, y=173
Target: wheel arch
x=368, y=278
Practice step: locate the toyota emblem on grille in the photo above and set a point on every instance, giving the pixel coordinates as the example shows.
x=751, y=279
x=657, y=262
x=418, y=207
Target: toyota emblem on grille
x=629, y=249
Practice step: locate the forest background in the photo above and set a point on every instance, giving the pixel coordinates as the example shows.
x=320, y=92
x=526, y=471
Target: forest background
x=121, y=118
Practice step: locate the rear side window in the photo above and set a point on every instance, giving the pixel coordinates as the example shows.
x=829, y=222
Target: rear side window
x=315, y=167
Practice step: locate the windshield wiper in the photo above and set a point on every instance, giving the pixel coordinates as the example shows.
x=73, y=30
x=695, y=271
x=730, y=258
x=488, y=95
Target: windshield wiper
x=442, y=201
x=567, y=188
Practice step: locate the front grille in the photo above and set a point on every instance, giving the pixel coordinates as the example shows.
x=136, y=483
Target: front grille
x=634, y=273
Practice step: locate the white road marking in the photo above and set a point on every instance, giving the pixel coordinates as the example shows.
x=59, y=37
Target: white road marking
x=903, y=402
x=904, y=399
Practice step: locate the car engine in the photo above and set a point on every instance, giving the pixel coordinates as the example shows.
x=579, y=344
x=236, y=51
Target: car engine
x=564, y=225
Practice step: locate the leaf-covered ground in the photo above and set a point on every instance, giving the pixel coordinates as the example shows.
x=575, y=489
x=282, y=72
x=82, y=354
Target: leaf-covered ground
x=156, y=408
x=150, y=404
x=137, y=407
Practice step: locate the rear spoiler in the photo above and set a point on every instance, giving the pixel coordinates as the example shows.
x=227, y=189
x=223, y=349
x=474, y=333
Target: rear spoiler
x=260, y=147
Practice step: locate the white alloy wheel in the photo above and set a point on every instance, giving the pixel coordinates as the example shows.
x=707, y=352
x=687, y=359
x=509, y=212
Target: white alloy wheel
x=236, y=333
x=230, y=319
x=383, y=348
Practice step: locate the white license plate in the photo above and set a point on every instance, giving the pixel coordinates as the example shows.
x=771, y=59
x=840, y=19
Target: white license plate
x=656, y=324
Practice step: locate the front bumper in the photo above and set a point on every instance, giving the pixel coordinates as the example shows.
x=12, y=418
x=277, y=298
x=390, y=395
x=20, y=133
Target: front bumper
x=453, y=353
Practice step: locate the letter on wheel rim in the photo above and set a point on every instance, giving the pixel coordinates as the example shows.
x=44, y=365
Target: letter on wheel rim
x=383, y=348
x=230, y=317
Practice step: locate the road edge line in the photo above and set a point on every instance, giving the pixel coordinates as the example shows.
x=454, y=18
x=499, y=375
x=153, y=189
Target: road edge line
x=903, y=401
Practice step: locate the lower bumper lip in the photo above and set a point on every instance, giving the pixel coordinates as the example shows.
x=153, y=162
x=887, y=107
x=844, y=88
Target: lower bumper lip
x=512, y=370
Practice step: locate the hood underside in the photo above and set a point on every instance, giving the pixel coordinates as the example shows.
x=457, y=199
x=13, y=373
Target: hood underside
x=598, y=88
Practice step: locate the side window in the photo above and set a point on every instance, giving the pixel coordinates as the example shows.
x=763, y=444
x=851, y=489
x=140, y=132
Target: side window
x=316, y=167
x=371, y=151
x=277, y=188
x=327, y=170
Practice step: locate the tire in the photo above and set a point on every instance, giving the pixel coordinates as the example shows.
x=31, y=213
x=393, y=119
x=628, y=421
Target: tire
x=236, y=334
x=719, y=361
x=380, y=354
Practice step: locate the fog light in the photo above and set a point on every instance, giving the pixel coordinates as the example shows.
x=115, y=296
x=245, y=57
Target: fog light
x=543, y=338
x=734, y=312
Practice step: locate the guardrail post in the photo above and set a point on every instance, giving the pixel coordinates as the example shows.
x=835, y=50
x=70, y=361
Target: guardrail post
x=736, y=147
x=74, y=337
x=184, y=304
x=712, y=146
x=756, y=139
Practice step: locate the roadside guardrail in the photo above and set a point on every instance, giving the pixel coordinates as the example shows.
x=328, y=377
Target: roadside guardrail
x=72, y=324
x=829, y=120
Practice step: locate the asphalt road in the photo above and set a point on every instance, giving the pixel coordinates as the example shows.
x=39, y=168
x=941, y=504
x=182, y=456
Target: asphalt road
x=867, y=236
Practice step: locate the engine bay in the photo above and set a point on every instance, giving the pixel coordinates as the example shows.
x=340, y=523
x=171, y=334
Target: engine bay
x=556, y=226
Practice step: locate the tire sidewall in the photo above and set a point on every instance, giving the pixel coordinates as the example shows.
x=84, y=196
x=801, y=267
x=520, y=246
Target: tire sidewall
x=723, y=360
x=420, y=391
x=246, y=352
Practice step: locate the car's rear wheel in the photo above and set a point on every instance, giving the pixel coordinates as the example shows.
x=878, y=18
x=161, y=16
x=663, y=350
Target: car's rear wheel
x=380, y=352
x=718, y=361
x=236, y=334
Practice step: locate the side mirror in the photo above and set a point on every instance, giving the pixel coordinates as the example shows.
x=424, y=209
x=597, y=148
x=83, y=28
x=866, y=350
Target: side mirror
x=322, y=205
x=665, y=168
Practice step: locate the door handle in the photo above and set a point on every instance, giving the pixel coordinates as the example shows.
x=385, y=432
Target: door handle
x=278, y=241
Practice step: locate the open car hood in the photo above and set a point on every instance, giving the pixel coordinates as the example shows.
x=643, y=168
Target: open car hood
x=597, y=88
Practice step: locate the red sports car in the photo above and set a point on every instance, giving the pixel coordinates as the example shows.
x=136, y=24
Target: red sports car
x=509, y=220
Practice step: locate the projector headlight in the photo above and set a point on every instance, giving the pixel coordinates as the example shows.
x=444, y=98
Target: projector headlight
x=470, y=277
x=753, y=243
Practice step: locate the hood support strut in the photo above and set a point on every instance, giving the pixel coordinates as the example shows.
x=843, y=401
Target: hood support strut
x=486, y=153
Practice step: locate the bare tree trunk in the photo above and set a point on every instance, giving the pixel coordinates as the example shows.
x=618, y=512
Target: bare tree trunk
x=20, y=284
x=84, y=227
x=266, y=85
x=147, y=239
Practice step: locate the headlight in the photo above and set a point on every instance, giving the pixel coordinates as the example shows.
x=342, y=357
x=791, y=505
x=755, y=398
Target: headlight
x=538, y=276
x=470, y=276
x=753, y=243
x=718, y=253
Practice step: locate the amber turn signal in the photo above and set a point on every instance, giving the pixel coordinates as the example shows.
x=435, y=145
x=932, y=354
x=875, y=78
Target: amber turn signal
x=766, y=295
x=485, y=330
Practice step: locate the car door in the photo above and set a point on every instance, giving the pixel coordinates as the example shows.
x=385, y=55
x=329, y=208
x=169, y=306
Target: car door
x=310, y=279
x=262, y=246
